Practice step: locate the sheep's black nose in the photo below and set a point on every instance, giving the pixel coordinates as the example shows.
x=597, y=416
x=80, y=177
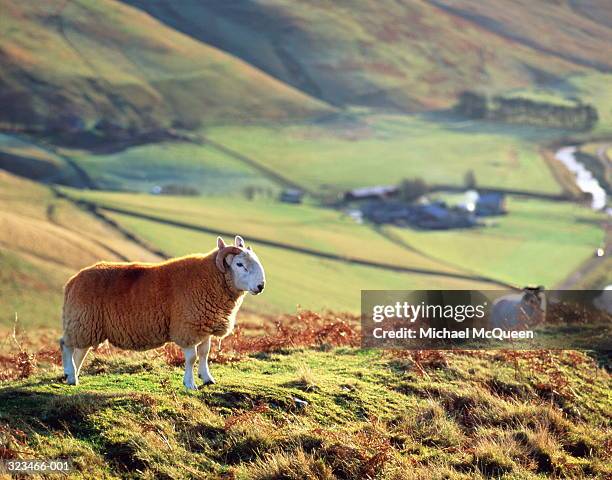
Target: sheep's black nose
x=260, y=287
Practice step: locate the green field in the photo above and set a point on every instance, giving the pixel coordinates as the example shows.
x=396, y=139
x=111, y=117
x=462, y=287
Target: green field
x=144, y=167
x=327, y=157
x=364, y=150
x=369, y=414
x=295, y=279
x=323, y=230
x=538, y=242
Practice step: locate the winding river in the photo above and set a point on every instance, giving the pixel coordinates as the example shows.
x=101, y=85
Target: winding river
x=585, y=180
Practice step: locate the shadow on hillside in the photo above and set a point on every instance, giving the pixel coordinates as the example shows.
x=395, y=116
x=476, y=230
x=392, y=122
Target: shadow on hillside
x=48, y=411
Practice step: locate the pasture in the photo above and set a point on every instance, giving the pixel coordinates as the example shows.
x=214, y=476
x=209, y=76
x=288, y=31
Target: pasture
x=538, y=242
x=302, y=226
x=293, y=279
x=144, y=167
x=363, y=150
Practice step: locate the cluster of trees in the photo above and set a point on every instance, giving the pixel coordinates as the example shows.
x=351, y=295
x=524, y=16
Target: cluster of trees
x=411, y=189
x=579, y=116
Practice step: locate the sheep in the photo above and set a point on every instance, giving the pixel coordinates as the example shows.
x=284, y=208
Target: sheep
x=519, y=309
x=139, y=306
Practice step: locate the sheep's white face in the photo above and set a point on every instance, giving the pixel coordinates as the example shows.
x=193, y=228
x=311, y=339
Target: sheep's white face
x=247, y=272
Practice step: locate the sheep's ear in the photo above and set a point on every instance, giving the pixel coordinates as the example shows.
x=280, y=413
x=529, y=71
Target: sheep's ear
x=228, y=259
x=220, y=243
x=239, y=241
x=249, y=248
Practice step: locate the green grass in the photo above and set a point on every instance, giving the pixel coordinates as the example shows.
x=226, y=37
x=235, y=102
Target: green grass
x=538, y=242
x=320, y=229
x=144, y=167
x=295, y=279
x=368, y=414
x=384, y=149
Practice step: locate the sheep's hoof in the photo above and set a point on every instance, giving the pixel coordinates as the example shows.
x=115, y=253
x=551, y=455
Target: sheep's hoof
x=72, y=380
x=191, y=386
x=207, y=381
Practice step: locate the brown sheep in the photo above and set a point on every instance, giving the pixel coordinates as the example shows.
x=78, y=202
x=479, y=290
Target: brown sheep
x=139, y=306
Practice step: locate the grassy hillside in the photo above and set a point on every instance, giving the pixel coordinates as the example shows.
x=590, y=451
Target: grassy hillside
x=43, y=241
x=563, y=29
x=363, y=149
x=315, y=413
x=146, y=166
x=408, y=55
x=27, y=159
x=105, y=67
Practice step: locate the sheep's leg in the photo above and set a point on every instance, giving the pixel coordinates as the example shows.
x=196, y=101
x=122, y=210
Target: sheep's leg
x=79, y=357
x=190, y=357
x=203, y=371
x=68, y=362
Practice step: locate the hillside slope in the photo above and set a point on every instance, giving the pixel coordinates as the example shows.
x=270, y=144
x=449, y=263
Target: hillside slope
x=575, y=31
x=81, y=65
x=323, y=411
x=407, y=55
x=43, y=241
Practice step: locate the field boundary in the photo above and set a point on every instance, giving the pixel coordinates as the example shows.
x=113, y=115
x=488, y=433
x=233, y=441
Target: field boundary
x=561, y=197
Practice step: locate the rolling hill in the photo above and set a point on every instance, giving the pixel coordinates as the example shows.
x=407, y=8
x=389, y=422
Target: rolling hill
x=43, y=241
x=113, y=71
x=317, y=412
x=407, y=55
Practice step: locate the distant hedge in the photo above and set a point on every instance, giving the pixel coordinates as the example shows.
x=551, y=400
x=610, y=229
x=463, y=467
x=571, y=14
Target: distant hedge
x=579, y=116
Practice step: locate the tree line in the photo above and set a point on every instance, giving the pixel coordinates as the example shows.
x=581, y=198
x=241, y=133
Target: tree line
x=580, y=116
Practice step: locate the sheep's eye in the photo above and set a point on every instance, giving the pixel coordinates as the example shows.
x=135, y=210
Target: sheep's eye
x=240, y=264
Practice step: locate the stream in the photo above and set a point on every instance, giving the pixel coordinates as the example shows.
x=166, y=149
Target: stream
x=584, y=179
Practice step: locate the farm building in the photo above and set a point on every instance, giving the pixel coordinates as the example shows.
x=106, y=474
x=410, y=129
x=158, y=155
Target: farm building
x=430, y=216
x=291, y=195
x=369, y=193
x=491, y=203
